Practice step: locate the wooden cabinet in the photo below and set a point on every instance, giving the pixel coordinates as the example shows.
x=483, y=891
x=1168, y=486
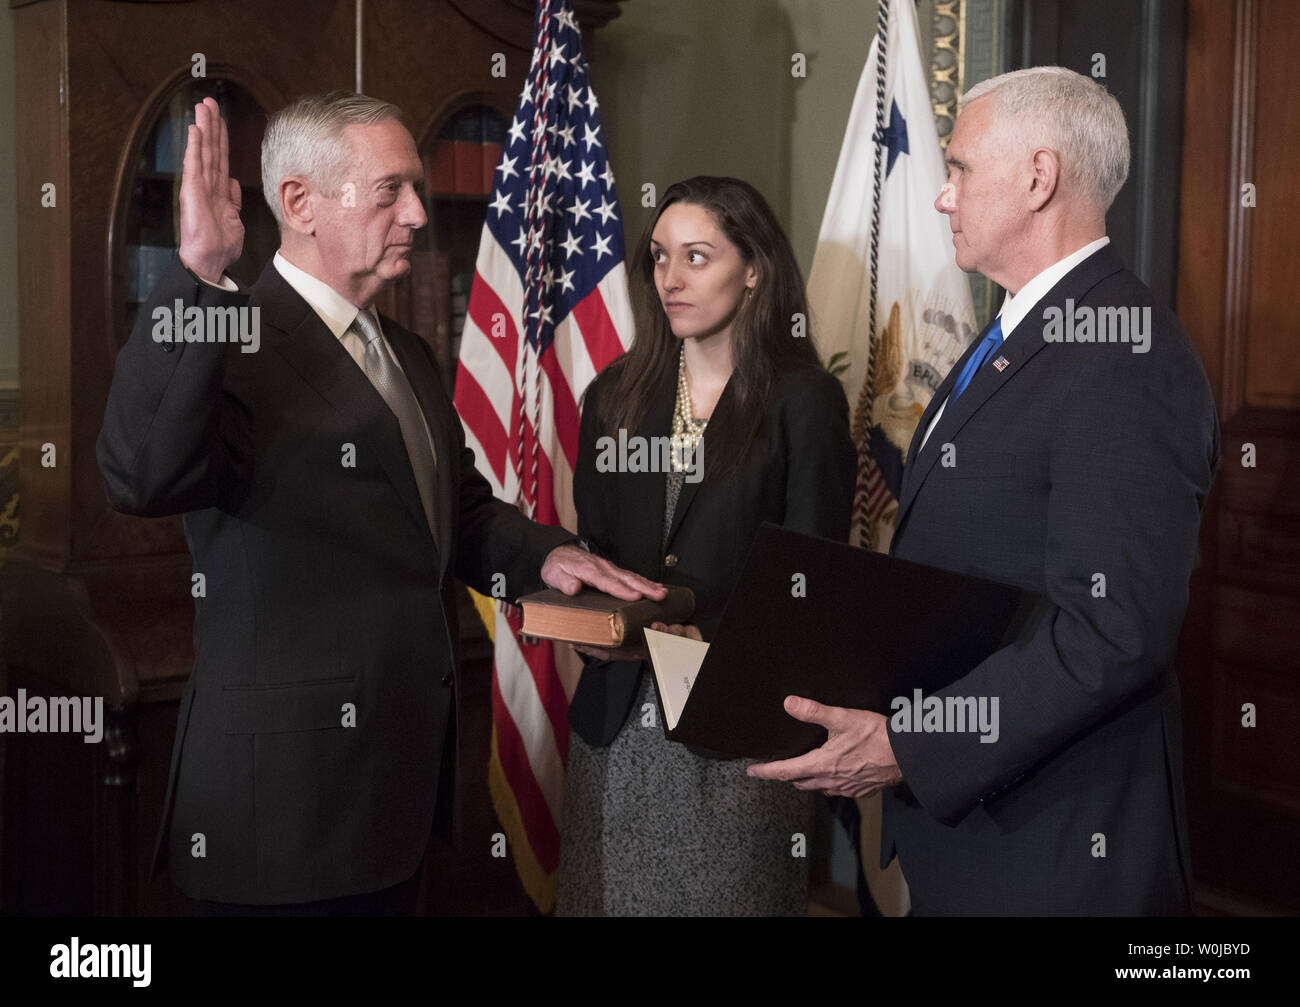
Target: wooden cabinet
x=94, y=603
x=460, y=155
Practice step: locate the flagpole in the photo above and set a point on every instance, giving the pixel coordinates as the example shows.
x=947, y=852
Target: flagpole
x=867, y=532
x=539, y=161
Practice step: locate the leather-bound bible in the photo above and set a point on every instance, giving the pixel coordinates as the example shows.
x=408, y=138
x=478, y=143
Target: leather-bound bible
x=599, y=619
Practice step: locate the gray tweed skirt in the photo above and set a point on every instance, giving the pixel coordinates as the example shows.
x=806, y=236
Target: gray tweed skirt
x=651, y=829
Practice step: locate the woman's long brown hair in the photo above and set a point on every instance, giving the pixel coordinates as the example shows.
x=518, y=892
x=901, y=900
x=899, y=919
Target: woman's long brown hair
x=763, y=339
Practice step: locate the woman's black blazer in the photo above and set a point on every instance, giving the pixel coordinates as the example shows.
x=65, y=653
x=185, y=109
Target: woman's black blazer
x=799, y=472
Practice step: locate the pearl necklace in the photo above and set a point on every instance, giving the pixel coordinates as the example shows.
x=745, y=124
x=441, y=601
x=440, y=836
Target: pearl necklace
x=687, y=430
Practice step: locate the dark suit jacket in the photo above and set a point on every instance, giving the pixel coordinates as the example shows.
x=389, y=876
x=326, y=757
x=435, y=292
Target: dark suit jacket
x=1073, y=461
x=323, y=594
x=800, y=472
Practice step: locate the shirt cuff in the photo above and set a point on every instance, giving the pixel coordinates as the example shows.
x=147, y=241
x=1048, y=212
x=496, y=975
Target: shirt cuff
x=226, y=284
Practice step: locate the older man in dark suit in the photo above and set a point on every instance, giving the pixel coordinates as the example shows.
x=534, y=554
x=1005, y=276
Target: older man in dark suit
x=1069, y=452
x=327, y=491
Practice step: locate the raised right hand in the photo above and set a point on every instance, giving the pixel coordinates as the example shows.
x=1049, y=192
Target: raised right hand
x=212, y=235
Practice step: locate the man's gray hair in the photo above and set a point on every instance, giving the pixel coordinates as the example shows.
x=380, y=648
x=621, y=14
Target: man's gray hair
x=306, y=138
x=1073, y=115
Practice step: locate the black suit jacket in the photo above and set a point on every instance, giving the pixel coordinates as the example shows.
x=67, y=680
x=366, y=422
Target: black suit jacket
x=800, y=472
x=322, y=604
x=1074, y=461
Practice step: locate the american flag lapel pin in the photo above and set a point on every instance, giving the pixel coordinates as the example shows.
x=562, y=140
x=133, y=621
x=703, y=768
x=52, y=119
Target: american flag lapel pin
x=1001, y=364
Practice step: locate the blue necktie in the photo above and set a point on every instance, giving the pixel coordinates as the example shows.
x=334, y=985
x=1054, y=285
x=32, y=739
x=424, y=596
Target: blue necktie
x=992, y=340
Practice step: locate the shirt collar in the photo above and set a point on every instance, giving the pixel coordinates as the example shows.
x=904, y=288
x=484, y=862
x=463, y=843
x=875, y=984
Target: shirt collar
x=1015, y=308
x=335, y=310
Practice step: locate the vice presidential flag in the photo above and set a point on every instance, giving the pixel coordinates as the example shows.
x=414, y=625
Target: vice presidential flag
x=890, y=170
x=548, y=309
x=890, y=364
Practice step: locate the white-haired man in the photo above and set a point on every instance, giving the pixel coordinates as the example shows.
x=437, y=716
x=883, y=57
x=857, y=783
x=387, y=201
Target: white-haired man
x=327, y=491
x=1069, y=452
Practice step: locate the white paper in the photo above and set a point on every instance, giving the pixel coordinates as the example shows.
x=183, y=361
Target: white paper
x=676, y=661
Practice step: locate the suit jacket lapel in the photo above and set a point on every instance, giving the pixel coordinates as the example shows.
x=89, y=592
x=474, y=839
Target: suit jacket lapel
x=1017, y=349
x=312, y=350
x=940, y=396
x=955, y=414
x=689, y=489
x=659, y=423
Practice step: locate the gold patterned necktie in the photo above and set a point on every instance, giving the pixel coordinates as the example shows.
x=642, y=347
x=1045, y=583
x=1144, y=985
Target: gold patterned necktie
x=393, y=386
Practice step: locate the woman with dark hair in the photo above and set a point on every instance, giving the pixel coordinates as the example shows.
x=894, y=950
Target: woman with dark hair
x=721, y=363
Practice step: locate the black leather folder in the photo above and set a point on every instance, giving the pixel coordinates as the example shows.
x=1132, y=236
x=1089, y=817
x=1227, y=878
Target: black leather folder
x=843, y=626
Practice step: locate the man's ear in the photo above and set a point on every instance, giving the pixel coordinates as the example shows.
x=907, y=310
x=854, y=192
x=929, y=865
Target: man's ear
x=1045, y=177
x=296, y=205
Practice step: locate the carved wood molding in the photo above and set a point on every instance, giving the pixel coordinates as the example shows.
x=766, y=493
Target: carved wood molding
x=947, y=65
x=511, y=21
x=591, y=14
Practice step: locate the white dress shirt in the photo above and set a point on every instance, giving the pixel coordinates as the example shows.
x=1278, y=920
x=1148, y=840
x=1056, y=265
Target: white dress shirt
x=338, y=314
x=1016, y=307
x=335, y=310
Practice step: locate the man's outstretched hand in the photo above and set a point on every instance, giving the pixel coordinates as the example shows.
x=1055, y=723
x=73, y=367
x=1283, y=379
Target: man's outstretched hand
x=212, y=235
x=568, y=569
x=856, y=761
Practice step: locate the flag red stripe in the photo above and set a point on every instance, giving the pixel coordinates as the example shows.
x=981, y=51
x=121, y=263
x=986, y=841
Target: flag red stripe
x=540, y=658
x=476, y=410
x=543, y=834
x=876, y=495
x=598, y=330
x=566, y=409
x=483, y=304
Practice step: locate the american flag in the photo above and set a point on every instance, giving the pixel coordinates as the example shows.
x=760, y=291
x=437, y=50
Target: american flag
x=547, y=311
